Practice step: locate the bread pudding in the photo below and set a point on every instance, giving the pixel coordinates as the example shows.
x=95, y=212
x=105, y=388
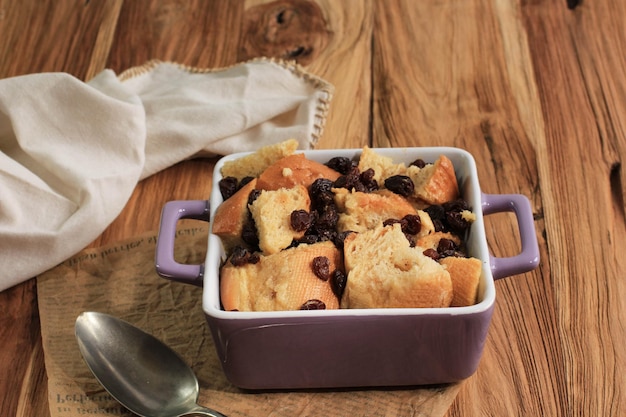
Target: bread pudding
x=363, y=233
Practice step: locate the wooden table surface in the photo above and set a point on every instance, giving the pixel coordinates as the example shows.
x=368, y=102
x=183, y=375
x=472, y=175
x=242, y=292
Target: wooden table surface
x=535, y=90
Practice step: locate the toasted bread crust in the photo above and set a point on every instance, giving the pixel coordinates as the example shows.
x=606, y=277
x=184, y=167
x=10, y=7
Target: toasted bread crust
x=294, y=170
x=230, y=216
x=363, y=211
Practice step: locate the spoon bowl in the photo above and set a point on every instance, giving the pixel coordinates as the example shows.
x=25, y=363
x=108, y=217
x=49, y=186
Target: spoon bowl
x=137, y=369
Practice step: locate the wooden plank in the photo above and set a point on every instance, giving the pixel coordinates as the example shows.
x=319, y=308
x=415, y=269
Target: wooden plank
x=452, y=79
x=40, y=37
x=54, y=36
x=346, y=63
x=21, y=366
x=195, y=33
x=33, y=398
x=104, y=38
x=337, y=48
x=582, y=88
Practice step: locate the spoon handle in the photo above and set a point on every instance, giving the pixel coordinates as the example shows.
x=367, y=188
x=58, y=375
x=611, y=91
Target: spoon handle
x=202, y=411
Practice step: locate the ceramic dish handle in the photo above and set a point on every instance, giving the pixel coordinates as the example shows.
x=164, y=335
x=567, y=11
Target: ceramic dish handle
x=166, y=266
x=528, y=259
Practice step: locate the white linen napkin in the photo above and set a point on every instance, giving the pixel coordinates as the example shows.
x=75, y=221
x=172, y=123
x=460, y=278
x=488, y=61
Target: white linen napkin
x=72, y=152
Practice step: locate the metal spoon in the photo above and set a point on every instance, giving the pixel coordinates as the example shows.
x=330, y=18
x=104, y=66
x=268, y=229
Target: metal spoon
x=138, y=370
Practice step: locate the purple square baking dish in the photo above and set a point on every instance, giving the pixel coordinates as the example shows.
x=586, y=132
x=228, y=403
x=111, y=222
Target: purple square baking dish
x=353, y=348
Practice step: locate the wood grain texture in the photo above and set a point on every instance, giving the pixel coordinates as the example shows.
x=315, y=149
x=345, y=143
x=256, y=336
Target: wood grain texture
x=452, y=83
x=343, y=57
x=21, y=358
x=104, y=38
x=53, y=36
x=534, y=90
x=346, y=63
x=191, y=33
x=196, y=33
x=37, y=37
x=291, y=30
x=579, y=87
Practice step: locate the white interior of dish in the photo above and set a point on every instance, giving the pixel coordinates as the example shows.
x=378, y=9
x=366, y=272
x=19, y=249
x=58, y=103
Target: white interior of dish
x=465, y=168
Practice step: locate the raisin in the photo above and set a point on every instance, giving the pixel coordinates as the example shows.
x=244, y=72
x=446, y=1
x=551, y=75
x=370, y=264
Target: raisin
x=308, y=239
x=360, y=187
x=321, y=185
x=390, y=222
x=351, y=181
x=437, y=215
x=249, y=233
x=340, y=164
x=367, y=179
x=456, y=205
x=321, y=193
x=327, y=236
x=449, y=217
x=328, y=219
x=436, y=212
x=446, y=247
x=439, y=226
x=228, y=187
x=431, y=253
x=456, y=222
x=238, y=256
x=411, y=239
x=340, y=239
x=341, y=182
x=321, y=267
x=400, y=184
x=314, y=217
x=242, y=256
x=244, y=181
x=338, y=282
x=313, y=305
x=418, y=163
x=300, y=220
x=411, y=224
x=254, y=194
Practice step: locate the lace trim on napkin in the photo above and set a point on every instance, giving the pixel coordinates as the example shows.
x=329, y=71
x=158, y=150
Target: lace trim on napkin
x=323, y=102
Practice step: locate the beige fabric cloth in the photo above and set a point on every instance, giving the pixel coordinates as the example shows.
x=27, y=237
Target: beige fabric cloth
x=72, y=152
